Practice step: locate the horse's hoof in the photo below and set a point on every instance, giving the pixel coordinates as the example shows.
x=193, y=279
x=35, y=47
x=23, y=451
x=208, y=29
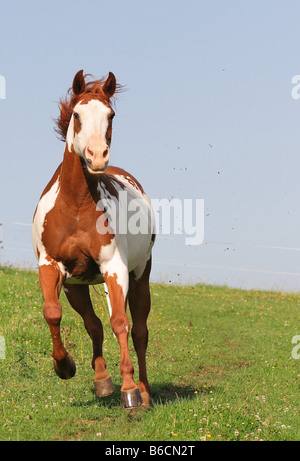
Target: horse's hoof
x=131, y=399
x=65, y=368
x=104, y=387
x=147, y=400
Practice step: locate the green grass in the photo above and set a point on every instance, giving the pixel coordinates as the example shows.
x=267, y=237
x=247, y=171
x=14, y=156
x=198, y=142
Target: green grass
x=219, y=361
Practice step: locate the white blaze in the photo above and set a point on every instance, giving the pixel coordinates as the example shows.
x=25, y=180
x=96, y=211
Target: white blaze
x=94, y=122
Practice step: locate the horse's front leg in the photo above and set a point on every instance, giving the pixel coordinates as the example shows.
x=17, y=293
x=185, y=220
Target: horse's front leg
x=117, y=283
x=51, y=280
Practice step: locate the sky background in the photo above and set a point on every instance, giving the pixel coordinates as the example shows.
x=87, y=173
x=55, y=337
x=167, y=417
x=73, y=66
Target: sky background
x=208, y=113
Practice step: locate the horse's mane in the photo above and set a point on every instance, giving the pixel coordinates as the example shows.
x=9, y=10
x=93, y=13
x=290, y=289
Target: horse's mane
x=93, y=90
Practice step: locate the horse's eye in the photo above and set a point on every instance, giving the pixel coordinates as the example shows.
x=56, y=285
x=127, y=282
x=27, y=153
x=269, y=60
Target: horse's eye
x=76, y=115
x=112, y=116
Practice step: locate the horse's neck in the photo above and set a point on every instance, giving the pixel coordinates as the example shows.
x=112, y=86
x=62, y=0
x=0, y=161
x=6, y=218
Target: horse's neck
x=75, y=185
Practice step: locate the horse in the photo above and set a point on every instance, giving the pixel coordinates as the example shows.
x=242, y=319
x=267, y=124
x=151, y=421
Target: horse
x=79, y=243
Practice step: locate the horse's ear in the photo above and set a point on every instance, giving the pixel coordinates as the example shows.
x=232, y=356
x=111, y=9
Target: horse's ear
x=110, y=85
x=78, y=83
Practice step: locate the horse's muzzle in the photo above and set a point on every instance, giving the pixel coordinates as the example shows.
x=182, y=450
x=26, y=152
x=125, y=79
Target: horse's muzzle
x=96, y=161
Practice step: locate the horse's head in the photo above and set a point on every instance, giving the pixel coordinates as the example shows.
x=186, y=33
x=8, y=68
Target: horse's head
x=86, y=120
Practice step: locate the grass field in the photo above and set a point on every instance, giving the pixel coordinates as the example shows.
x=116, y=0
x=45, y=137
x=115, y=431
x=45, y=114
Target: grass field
x=219, y=361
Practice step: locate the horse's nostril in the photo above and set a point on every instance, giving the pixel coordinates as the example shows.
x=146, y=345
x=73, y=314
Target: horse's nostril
x=105, y=153
x=89, y=161
x=90, y=151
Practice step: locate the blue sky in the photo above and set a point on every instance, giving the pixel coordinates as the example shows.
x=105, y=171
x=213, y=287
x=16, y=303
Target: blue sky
x=208, y=113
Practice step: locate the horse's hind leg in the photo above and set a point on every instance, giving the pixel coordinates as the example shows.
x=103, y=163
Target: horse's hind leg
x=51, y=281
x=139, y=304
x=79, y=298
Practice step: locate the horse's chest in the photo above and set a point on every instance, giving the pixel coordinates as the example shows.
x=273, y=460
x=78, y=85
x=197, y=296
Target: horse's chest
x=80, y=246
x=79, y=259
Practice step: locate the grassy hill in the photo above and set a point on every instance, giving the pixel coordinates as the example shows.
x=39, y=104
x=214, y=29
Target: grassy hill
x=220, y=364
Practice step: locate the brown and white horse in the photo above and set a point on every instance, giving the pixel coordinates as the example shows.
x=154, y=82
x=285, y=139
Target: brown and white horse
x=77, y=245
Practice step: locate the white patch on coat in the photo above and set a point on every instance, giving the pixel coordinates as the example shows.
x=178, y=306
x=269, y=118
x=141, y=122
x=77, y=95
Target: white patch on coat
x=127, y=251
x=45, y=204
x=113, y=263
x=139, y=245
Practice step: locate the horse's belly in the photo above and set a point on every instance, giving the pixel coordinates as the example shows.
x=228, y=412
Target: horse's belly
x=85, y=280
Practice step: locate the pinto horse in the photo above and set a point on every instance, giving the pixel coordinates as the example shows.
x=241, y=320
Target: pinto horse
x=77, y=243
